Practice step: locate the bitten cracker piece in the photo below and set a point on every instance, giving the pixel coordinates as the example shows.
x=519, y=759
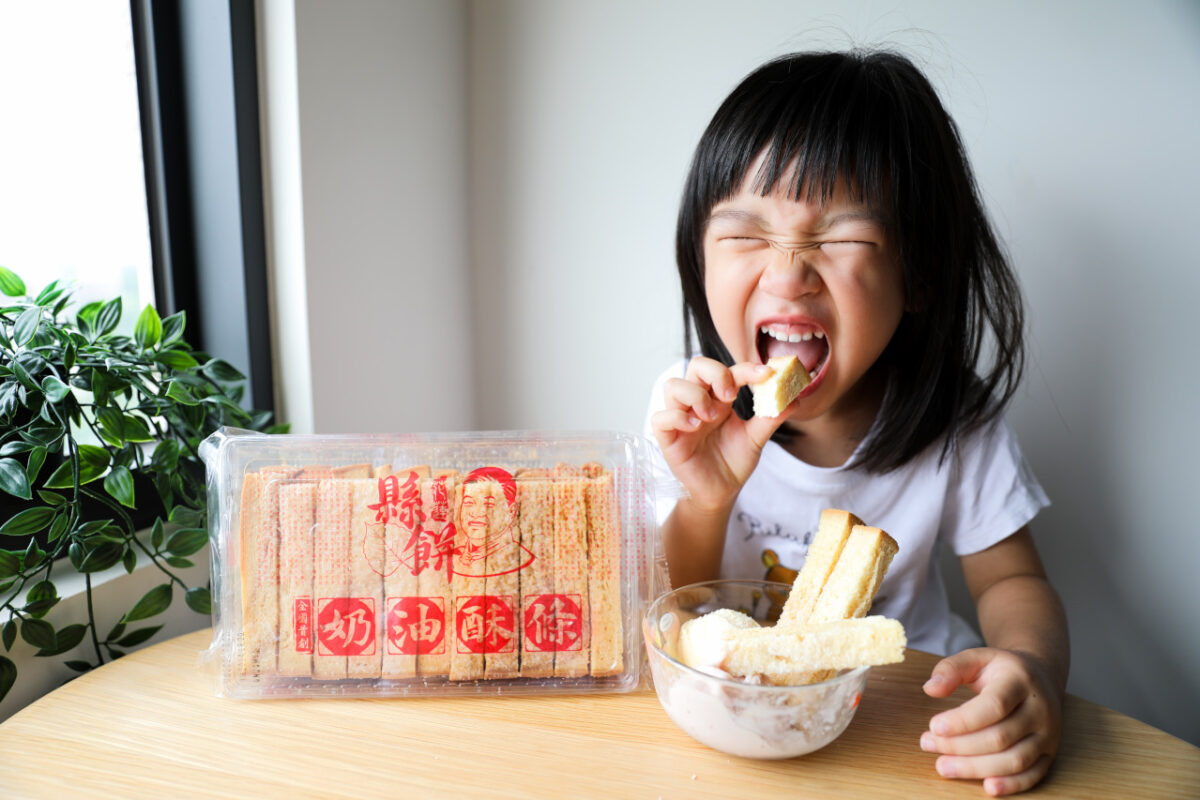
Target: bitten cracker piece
x=789, y=657
x=535, y=504
x=259, y=540
x=573, y=623
x=856, y=577
x=331, y=574
x=832, y=533
x=604, y=578
x=297, y=614
x=788, y=379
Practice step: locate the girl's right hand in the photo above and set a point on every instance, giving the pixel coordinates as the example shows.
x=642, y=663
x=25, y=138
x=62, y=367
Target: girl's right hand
x=709, y=448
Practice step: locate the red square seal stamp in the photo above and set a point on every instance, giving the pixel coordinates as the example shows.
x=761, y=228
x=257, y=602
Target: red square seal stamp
x=553, y=623
x=346, y=626
x=416, y=626
x=485, y=624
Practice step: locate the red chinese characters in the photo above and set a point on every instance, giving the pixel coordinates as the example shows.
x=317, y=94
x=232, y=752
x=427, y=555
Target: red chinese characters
x=553, y=622
x=416, y=626
x=302, y=617
x=346, y=626
x=485, y=624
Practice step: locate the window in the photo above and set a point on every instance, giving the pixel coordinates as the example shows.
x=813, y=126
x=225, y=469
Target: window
x=72, y=184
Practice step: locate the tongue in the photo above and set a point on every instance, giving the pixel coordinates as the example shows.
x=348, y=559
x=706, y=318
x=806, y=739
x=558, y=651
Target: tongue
x=810, y=353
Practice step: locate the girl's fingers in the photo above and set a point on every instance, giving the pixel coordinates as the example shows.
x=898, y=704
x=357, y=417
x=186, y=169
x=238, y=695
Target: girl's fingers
x=998, y=785
x=747, y=373
x=714, y=376
x=1024, y=756
x=686, y=395
x=993, y=703
x=991, y=739
x=671, y=422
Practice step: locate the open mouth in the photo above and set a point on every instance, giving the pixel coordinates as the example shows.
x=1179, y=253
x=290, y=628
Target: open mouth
x=810, y=345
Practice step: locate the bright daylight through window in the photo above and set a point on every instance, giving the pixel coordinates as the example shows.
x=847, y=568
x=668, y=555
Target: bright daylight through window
x=72, y=187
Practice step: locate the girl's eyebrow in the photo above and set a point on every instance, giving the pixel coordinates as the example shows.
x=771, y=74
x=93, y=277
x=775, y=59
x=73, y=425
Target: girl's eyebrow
x=823, y=224
x=737, y=215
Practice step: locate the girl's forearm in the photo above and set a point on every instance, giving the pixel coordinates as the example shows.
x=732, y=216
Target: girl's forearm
x=1023, y=612
x=694, y=540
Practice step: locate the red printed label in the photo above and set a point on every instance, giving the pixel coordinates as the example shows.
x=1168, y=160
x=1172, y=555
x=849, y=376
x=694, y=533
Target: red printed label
x=416, y=626
x=485, y=624
x=346, y=626
x=302, y=618
x=553, y=622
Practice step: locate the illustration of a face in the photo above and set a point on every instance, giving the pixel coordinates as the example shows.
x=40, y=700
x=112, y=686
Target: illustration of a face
x=485, y=515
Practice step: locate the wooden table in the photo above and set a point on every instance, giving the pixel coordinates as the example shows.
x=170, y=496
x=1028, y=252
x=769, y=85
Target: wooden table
x=150, y=726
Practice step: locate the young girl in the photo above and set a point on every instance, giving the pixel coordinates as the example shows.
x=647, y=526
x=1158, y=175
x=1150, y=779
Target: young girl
x=830, y=212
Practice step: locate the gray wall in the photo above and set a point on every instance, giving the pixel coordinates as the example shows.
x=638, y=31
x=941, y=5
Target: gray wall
x=525, y=225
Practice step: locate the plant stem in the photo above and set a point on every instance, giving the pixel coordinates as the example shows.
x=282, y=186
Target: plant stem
x=87, y=577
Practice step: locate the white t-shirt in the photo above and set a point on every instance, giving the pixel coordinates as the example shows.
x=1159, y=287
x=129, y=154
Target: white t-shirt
x=975, y=498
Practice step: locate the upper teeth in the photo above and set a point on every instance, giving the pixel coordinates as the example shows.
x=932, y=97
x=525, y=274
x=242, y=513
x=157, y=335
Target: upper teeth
x=792, y=337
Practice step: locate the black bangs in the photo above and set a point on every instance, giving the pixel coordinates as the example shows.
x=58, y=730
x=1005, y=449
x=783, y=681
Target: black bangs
x=814, y=118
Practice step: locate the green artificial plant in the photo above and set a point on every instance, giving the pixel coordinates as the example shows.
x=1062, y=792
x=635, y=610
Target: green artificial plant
x=98, y=463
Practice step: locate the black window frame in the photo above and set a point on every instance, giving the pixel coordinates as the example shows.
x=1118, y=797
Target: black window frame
x=178, y=143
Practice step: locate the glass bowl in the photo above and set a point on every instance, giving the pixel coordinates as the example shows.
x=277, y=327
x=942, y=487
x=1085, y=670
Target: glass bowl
x=738, y=718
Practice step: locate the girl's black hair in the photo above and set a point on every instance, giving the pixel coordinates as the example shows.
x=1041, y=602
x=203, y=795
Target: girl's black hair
x=874, y=120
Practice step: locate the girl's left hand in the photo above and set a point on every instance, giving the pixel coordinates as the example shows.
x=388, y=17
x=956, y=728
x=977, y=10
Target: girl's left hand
x=1007, y=735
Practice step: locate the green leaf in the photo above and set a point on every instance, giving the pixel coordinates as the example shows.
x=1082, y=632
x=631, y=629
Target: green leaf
x=85, y=318
x=51, y=498
x=69, y=353
x=148, y=329
x=138, y=636
x=135, y=429
x=119, y=484
x=58, y=527
x=66, y=639
x=93, y=461
x=10, y=634
x=10, y=563
x=42, y=597
x=37, y=457
x=12, y=285
x=172, y=327
x=156, y=535
x=187, y=541
x=129, y=561
x=222, y=371
x=175, y=359
x=15, y=447
x=55, y=389
x=31, y=520
x=26, y=325
x=108, y=317
x=13, y=479
x=179, y=563
x=8, y=670
x=154, y=602
x=116, y=633
x=48, y=295
x=187, y=517
x=181, y=394
x=78, y=666
x=102, y=556
x=38, y=633
x=199, y=599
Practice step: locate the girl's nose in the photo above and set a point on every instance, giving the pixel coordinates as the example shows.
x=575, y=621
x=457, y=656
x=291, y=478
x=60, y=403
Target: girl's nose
x=790, y=272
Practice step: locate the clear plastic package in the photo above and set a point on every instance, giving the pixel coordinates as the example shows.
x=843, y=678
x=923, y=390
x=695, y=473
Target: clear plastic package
x=429, y=564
